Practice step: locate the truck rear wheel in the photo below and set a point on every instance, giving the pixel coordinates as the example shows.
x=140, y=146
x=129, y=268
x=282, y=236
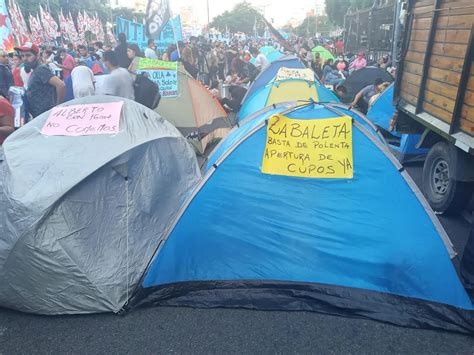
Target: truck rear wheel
x=444, y=193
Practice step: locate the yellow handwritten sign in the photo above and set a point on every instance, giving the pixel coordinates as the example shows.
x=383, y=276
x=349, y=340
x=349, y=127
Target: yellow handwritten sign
x=294, y=73
x=319, y=148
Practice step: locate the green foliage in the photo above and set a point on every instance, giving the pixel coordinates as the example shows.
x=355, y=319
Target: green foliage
x=128, y=13
x=337, y=9
x=240, y=19
x=309, y=28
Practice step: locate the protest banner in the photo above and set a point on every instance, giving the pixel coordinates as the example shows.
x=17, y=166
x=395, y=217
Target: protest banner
x=320, y=148
x=164, y=73
x=136, y=33
x=170, y=34
x=84, y=120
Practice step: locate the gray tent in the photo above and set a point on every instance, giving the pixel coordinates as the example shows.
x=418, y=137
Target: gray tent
x=80, y=217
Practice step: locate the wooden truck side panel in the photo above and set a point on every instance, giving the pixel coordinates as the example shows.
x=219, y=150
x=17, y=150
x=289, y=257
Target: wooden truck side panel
x=467, y=112
x=436, y=80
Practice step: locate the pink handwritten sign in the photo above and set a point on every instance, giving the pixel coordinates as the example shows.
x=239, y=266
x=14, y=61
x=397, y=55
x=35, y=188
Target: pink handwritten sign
x=84, y=120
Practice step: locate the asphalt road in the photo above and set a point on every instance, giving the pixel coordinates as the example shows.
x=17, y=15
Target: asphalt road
x=186, y=330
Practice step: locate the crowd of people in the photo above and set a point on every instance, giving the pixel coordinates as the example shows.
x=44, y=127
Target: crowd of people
x=51, y=75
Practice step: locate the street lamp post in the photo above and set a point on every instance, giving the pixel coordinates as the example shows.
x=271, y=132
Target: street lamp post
x=316, y=18
x=261, y=9
x=208, y=19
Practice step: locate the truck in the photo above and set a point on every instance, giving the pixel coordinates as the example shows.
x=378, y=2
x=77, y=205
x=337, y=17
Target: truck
x=434, y=95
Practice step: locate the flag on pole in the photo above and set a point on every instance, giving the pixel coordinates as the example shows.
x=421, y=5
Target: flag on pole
x=49, y=24
x=81, y=28
x=37, y=32
x=99, y=28
x=71, y=29
x=277, y=36
x=19, y=27
x=63, y=26
x=110, y=35
x=7, y=42
x=157, y=16
x=15, y=26
x=255, y=27
x=87, y=23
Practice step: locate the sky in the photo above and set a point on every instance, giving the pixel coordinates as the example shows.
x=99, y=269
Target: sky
x=279, y=10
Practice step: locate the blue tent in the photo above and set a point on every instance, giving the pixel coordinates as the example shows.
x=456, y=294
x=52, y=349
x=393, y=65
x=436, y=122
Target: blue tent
x=270, y=52
x=285, y=90
x=345, y=247
x=403, y=146
x=267, y=50
x=274, y=56
x=267, y=75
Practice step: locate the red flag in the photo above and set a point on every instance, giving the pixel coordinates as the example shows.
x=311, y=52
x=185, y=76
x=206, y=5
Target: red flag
x=19, y=27
x=49, y=24
x=37, y=32
x=81, y=28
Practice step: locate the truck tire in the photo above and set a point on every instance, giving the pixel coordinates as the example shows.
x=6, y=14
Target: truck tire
x=444, y=193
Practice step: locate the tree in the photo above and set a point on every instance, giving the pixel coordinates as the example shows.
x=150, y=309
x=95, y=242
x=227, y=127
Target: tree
x=241, y=18
x=337, y=9
x=128, y=13
x=308, y=27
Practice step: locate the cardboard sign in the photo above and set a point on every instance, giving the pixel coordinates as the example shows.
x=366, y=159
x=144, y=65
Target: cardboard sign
x=83, y=120
x=291, y=73
x=164, y=73
x=320, y=148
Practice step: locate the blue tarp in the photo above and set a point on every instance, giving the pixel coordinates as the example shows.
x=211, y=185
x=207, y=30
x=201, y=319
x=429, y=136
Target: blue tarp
x=270, y=52
x=381, y=113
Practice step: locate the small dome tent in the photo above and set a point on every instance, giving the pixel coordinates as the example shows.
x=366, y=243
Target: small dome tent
x=338, y=246
x=323, y=53
x=195, y=112
x=270, y=52
x=81, y=216
x=267, y=75
x=284, y=90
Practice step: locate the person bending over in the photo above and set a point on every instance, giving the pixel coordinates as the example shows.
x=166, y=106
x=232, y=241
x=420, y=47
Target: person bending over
x=363, y=97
